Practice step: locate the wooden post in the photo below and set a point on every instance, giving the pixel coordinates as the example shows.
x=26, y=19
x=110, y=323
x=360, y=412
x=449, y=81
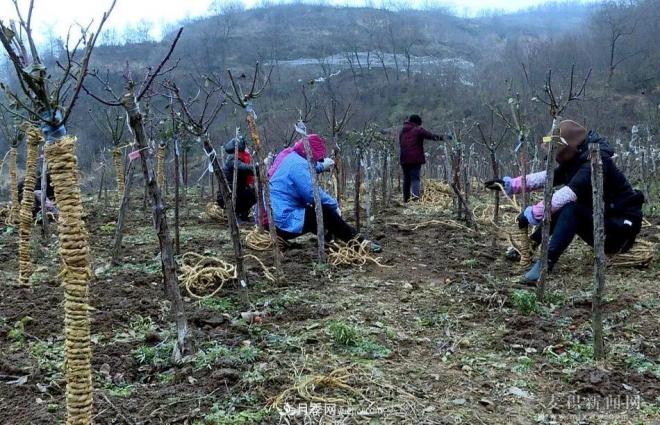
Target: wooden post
x=121, y=217
x=100, y=192
x=386, y=164
x=177, y=159
x=600, y=261
x=547, y=205
x=234, y=181
x=170, y=279
x=318, y=208
x=358, y=182
x=262, y=179
x=223, y=187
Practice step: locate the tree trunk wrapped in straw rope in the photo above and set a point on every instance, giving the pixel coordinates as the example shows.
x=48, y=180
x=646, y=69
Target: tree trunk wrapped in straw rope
x=520, y=240
x=13, y=181
x=119, y=170
x=74, y=253
x=34, y=139
x=160, y=167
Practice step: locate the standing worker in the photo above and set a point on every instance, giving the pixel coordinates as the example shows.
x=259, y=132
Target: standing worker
x=411, y=143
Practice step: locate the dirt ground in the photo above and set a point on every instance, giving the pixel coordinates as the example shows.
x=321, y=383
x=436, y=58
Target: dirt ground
x=445, y=334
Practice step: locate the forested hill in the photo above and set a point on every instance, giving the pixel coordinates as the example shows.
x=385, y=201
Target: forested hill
x=289, y=32
x=387, y=64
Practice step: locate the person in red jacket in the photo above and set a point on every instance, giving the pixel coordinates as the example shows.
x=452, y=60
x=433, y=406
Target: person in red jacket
x=411, y=142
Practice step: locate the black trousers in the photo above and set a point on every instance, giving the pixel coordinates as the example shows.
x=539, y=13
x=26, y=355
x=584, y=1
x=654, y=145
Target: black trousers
x=411, y=180
x=575, y=219
x=335, y=226
x=246, y=197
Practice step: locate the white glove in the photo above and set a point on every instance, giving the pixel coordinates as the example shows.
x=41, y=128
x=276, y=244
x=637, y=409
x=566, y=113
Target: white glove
x=338, y=212
x=327, y=164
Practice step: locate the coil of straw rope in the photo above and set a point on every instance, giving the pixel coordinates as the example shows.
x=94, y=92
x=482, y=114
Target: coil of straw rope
x=119, y=169
x=214, y=212
x=352, y=253
x=640, y=255
x=258, y=240
x=436, y=194
x=74, y=253
x=307, y=388
x=160, y=167
x=34, y=139
x=200, y=274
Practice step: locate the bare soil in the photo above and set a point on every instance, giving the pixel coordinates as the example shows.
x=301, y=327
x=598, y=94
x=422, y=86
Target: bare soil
x=441, y=337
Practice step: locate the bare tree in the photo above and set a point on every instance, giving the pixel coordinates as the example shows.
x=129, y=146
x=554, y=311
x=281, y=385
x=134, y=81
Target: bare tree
x=50, y=103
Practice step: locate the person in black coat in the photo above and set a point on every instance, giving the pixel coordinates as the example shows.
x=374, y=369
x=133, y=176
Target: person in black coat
x=50, y=193
x=246, y=196
x=572, y=212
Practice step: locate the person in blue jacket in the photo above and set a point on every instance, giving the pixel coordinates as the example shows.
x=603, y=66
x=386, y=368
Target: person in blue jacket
x=292, y=197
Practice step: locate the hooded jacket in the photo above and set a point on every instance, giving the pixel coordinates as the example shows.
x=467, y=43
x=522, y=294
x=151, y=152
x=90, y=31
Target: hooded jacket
x=411, y=143
x=245, y=170
x=291, y=188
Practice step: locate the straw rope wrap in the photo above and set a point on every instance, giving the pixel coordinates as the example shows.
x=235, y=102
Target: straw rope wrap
x=200, y=274
x=309, y=388
x=119, y=170
x=640, y=255
x=34, y=139
x=352, y=253
x=214, y=212
x=436, y=194
x=518, y=237
x=74, y=253
x=160, y=167
x=14, y=212
x=258, y=240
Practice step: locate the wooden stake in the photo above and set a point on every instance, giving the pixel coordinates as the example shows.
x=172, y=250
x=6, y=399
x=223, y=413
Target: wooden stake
x=547, y=205
x=600, y=261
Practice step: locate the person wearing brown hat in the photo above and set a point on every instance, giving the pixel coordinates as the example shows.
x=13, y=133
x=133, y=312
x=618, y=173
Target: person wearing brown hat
x=571, y=205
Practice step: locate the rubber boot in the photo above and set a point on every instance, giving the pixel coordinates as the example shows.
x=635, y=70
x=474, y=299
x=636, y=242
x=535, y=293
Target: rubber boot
x=534, y=274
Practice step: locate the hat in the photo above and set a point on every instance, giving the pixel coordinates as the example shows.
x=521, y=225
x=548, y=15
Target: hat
x=574, y=135
x=316, y=143
x=416, y=119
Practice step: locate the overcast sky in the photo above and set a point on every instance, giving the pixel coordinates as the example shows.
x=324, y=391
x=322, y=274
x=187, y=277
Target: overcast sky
x=60, y=14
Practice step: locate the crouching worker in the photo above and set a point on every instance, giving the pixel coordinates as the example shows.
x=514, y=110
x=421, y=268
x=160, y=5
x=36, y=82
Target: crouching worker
x=50, y=195
x=246, y=195
x=572, y=212
x=292, y=197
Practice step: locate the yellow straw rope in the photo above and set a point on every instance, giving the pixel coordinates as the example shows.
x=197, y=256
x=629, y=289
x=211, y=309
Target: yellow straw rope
x=436, y=194
x=200, y=273
x=518, y=237
x=640, y=255
x=160, y=168
x=14, y=212
x=74, y=254
x=119, y=170
x=352, y=253
x=308, y=388
x=34, y=139
x=215, y=213
x=258, y=240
